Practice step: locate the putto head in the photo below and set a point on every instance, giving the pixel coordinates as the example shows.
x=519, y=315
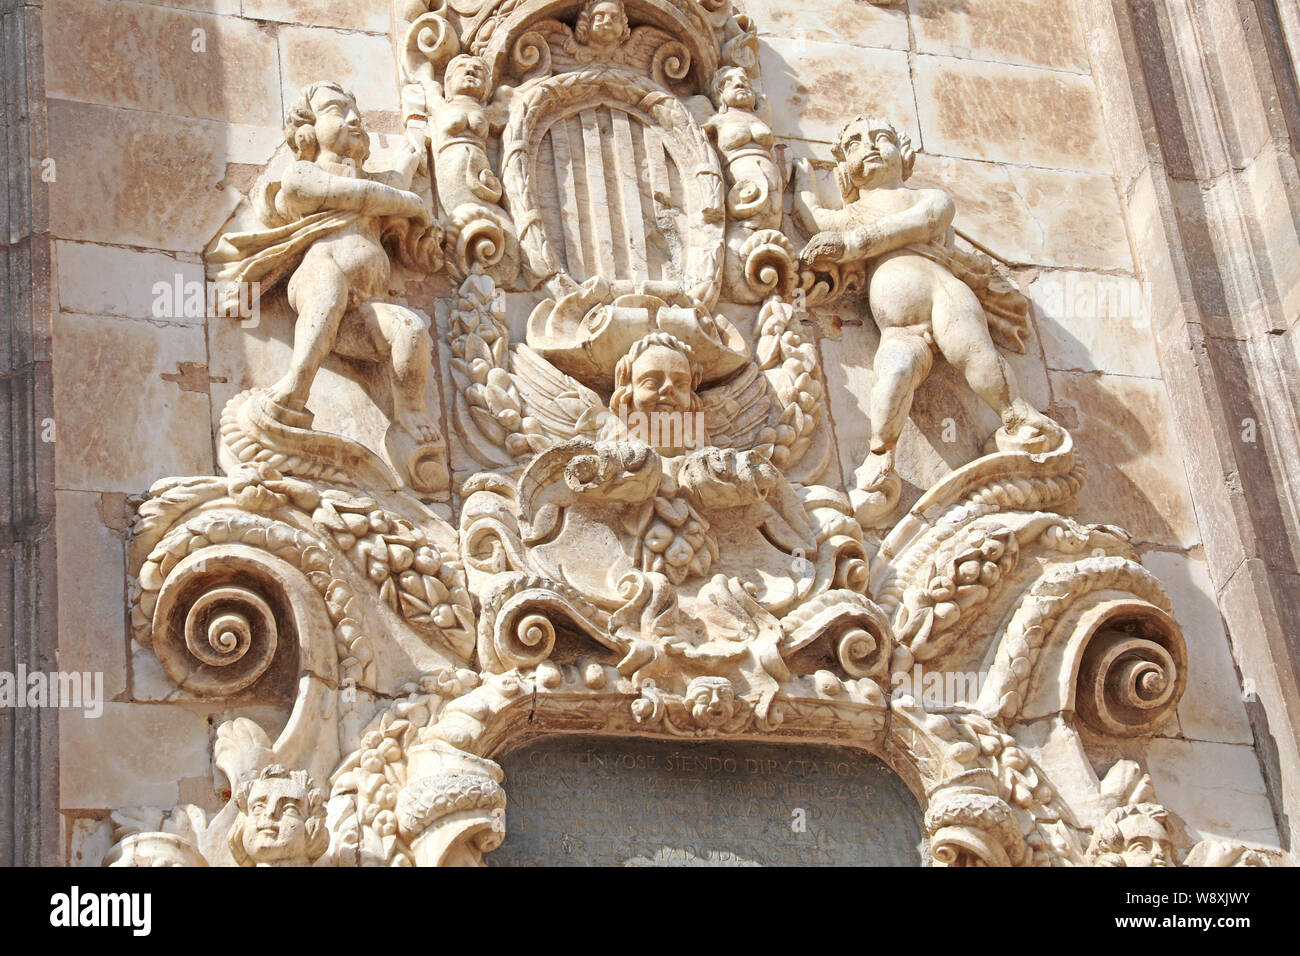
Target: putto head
x=1136, y=835
x=325, y=114
x=732, y=87
x=861, y=145
x=602, y=23
x=470, y=75
x=281, y=820
x=658, y=373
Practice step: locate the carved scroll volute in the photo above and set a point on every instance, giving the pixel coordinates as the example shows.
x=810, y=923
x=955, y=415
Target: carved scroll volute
x=452, y=810
x=970, y=826
x=220, y=616
x=1132, y=671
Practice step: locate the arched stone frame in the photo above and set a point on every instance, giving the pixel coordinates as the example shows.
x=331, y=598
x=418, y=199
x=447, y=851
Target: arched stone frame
x=960, y=798
x=495, y=29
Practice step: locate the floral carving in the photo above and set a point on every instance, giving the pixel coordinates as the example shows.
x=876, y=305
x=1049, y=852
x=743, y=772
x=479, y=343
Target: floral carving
x=576, y=567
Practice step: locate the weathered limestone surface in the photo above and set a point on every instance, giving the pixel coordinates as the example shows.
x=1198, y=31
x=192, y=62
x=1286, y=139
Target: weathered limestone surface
x=29, y=759
x=598, y=213
x=1202, y=100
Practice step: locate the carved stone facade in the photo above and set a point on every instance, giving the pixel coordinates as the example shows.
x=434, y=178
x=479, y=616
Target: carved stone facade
x=589, y=367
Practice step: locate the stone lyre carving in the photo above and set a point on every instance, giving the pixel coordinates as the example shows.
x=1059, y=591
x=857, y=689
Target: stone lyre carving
x=647, y=535
x=926, y=295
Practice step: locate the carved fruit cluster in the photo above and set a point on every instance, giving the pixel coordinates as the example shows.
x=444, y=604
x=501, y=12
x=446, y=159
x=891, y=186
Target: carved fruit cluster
x=674, y=539
x=409, y=572
x=961, y=582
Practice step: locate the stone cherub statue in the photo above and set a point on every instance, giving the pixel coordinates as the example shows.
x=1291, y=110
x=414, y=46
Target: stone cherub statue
x=924, y=293
x=281, y=820
x=745, y=142
x=459, y=135
x=328, y=222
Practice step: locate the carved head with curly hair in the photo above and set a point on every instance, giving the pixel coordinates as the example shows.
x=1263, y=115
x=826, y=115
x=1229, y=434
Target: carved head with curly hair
x=870, y=152
x=656, y=392
x=602, y=23
x=281, y=820
x=1134, y=835
x=326, y=116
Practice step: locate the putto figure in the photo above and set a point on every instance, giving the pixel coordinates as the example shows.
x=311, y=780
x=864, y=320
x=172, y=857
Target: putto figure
x=922, y=291
x=329, y=219
x=281, y=820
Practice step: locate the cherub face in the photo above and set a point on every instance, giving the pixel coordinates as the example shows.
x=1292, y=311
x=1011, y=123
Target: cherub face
x=737, y=92
x=1146, y=842
x=338, y=124
x=607, y=23
x=873, y=159
x=469, y=78
x=276, y=828
x=661, y=381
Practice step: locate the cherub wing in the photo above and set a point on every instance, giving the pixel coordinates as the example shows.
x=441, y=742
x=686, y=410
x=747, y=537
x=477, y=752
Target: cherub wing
x=737, y=411
x=555, y=405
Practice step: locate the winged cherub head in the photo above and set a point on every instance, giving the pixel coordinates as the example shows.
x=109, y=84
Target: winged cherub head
x=656, y=387
x=603, y=23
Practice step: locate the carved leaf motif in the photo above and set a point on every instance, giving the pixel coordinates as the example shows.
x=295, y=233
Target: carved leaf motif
x=560, y=407
x=737, y=411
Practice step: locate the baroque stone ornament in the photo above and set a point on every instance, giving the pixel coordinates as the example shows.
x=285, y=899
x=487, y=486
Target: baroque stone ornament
x=926, y=294
x=637, y=529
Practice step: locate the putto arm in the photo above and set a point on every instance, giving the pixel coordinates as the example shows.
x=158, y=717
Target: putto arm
x=809, y=214
x=310, y=186
x=927, y=219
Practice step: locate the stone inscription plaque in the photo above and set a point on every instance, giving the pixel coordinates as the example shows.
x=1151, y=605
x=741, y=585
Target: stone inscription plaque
x=602, y=801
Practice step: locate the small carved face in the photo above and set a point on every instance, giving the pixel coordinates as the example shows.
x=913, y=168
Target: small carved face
x=872, y=157
x=276, y=828
x=608, y=23
x=1146, y=842
x=736, y=90
x=467, y=76
x=338, y=124
x=712, y=702
x=661, y=381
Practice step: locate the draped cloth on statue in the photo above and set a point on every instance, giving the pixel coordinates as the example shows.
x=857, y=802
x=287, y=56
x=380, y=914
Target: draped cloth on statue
x=1006, y=308
x=266, y=256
